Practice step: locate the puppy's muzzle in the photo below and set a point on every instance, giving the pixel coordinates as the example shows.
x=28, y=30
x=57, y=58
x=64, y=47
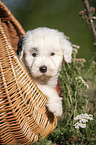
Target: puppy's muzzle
x=43, y=69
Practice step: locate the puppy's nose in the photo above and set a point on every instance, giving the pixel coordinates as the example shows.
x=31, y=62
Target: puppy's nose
x=43, y=69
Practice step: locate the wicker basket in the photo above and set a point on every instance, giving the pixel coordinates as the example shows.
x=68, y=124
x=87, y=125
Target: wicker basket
x=23, y=112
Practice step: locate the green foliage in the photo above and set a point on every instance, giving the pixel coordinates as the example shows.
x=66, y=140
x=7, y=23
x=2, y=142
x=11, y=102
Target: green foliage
x=73, y=89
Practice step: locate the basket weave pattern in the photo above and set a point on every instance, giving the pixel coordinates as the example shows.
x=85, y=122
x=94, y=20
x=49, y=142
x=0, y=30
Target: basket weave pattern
x=23, y=112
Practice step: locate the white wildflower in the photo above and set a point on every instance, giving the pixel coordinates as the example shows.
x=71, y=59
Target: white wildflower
x=79, y=124
x=94, y=17
x=83, y=118
x=90, y=117
x=82, y=81
x=82, y=125
x=75, y=50
x=76, y=46
x=77, y=117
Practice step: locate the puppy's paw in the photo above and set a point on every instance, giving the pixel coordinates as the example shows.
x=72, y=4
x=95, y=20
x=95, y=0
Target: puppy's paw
x=55, y=106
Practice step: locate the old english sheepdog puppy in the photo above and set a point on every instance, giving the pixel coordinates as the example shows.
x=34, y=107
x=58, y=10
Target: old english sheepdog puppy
x=42, y=52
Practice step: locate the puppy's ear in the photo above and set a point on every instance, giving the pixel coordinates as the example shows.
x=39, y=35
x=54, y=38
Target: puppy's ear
x=66, y=47
x=20, y=48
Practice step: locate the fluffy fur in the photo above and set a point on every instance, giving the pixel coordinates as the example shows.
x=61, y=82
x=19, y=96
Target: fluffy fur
x=42, y=51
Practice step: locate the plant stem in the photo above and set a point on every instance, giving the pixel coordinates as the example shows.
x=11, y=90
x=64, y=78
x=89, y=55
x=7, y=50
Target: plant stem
x=89, y=13
x=88, y=71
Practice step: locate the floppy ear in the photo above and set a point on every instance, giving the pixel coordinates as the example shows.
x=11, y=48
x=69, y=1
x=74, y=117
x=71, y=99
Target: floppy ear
x=66, y=47
x=20, y=48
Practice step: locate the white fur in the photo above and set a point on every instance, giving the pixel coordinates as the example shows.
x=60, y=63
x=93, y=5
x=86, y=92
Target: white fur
x=43, y=41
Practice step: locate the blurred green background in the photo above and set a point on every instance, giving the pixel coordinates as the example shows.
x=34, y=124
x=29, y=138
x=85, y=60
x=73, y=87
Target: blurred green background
x=58, y=14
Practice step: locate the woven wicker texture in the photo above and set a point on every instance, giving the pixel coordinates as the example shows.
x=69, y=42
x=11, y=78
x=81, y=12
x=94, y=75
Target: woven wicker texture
x=23, y=112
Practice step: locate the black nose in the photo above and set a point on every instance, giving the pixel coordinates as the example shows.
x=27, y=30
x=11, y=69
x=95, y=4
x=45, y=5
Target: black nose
x=43, y=69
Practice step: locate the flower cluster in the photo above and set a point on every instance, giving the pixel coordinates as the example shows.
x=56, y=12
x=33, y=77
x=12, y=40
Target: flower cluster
x=83, y=118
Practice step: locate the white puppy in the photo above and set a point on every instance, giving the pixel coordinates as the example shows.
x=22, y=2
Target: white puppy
x=42, y=51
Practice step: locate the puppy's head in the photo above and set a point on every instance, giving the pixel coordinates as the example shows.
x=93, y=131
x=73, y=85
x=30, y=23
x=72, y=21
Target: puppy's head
x=43, y=51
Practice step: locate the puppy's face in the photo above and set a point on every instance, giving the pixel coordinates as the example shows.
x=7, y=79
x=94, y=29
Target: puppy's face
x=43, y=52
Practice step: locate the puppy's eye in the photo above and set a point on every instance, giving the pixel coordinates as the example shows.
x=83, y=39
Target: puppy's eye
x=52, y=54
x=34, y=54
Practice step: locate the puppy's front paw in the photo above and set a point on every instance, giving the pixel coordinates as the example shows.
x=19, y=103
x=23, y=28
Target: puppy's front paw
x=55, y=106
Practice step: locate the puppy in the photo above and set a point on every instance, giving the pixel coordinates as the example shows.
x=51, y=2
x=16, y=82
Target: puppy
x=42, y=51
